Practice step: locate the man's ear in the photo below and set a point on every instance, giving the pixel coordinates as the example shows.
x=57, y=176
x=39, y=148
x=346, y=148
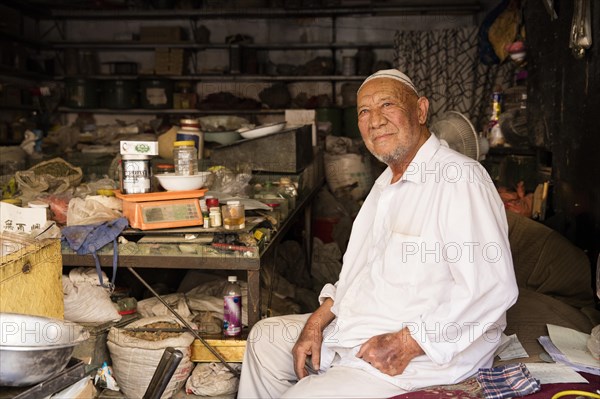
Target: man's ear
x=423, y=106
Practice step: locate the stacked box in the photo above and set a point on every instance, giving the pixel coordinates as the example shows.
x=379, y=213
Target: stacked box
x=168, y=61
x=161, y=34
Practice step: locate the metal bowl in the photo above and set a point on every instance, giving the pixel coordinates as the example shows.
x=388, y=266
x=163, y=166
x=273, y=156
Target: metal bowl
x=33, y=348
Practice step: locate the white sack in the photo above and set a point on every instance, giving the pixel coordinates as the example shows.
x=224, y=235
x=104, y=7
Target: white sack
x=212, y=379
x=134, y=360
x=87, y=302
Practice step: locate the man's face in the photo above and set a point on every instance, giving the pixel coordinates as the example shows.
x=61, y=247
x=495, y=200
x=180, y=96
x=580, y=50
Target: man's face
x=390, y=116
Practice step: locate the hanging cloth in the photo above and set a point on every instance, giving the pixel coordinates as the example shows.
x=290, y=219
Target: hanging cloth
x=88, y=239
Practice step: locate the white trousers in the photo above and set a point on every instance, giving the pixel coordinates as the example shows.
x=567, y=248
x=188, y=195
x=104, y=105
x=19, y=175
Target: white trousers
x=268, y=368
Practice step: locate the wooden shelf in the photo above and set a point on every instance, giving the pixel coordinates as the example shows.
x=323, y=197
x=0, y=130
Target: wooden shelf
x=136, y=45
x=465, y=7
x=142, y=111
x=228, y=77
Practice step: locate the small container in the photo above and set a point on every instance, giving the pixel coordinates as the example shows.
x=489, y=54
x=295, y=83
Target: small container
x=215, y=217
x=136, y=174
x=348, y=66
x=233, y=215
x=156, y=93
x=212, y=202
x=185, y=158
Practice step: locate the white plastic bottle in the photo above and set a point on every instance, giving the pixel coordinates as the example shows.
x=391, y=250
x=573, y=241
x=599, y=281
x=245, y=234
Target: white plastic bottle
x=232, y=308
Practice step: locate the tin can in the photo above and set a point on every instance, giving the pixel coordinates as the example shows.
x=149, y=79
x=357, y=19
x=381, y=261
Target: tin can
x=136, y=174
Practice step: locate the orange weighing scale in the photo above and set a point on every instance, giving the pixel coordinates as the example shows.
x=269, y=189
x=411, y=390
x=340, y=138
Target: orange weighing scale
x=162, y=210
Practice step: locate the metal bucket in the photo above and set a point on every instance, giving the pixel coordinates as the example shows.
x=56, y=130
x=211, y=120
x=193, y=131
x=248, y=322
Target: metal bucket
x=119, y=94
x=33, y=348
x=81, y=93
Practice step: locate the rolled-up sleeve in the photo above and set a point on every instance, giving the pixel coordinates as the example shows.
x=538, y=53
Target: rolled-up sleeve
x=328, y=291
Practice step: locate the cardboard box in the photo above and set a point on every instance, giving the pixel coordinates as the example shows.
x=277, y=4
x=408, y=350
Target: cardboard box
x=161, y=34
x=139, y=147
x=232, y=350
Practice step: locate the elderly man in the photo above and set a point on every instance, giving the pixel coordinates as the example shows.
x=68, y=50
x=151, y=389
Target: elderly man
x=426, y=279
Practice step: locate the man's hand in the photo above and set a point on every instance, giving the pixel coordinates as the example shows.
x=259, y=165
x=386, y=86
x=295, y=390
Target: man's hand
x=390, y=353
x=308, y=344
x=311, y=338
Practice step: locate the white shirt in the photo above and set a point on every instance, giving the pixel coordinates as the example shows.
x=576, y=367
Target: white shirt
x=430, y=253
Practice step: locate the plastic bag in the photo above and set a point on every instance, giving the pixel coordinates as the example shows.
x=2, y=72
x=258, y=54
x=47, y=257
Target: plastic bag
x=89, y=211
x=212, y=379
x=153, y=307
x=231, y=182
x=104, y=378
x=88, y=303
x=54, y=176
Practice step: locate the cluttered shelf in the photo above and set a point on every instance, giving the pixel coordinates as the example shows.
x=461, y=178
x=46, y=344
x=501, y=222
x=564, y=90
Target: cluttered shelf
x=185, y=111
x=137, y=45
x=199, y=254
x=231, y=77
x=229, y=11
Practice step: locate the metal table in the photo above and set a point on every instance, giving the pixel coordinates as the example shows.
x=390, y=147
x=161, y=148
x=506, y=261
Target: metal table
x=208, y=259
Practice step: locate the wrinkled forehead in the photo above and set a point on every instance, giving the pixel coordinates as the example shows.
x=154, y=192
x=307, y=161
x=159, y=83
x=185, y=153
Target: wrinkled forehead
x=384, y=88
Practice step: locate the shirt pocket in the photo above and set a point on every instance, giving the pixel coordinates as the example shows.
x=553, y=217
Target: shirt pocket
x=412, y=260
x=402, y=260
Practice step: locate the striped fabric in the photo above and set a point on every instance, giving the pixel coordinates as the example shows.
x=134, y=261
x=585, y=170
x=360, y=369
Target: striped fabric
x=508, y=381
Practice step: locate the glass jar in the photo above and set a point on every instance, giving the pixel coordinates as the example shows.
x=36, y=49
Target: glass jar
x=287, y=189
x=185, y=158
x=233, y=215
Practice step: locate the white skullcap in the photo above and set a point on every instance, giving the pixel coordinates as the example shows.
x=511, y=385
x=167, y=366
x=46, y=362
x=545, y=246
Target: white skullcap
x=391, y=74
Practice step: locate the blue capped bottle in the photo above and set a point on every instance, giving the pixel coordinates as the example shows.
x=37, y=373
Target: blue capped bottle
x=232, y=308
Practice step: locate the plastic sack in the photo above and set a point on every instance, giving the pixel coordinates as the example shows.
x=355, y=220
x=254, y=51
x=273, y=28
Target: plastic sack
x=134, y=360
x=89, y=211
x=83, y=389
x=212, y=379
x=231, y=182
x=153, y=307
x=348, y=175
x=54, y=176
x=88, y=303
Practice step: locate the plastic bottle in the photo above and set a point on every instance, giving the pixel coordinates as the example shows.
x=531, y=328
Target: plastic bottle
x=205, y=213
x=185, y=157
x=232, y=308
x=215, y=216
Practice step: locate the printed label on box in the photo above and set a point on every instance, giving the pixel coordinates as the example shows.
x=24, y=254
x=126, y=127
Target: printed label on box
x=15, y=219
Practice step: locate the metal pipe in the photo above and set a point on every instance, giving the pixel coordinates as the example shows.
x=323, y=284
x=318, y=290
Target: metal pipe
x=185, y=323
